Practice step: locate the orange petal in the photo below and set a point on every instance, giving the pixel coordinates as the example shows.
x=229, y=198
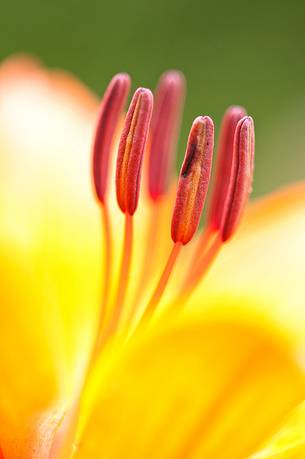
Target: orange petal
x=289, y=441
x=189, y=389
x=49, y=248
x=264, y=262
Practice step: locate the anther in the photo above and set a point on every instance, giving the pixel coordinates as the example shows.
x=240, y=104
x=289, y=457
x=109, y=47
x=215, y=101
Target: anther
x=110, y=112
x=164, y=131
x=237, y=173
x=193, y=180
x=224, y=164
x=241, y=177
x=131, y=149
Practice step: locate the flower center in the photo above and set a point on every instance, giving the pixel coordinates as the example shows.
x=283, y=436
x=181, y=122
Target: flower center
x=154, y=132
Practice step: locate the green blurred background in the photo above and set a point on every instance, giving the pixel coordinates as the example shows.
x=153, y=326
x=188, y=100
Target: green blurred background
x=241, y=52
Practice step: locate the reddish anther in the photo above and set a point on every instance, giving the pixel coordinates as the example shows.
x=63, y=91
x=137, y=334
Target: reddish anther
x=224, y=164
x=110, y=112
x=131, y=149
x=193, y=180
x=241, y=177
x=164, y=131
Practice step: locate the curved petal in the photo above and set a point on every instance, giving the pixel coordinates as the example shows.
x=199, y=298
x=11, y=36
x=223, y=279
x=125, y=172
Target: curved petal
x=265, y=262
x=289, y=440
x=49, y=248
x=188, y=390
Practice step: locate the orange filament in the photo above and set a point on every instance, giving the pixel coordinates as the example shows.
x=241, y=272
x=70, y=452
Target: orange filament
x=159, y=290
x=201, y=267
x=107, y=262
x=203, y=241
x=148, y=259
x=123, y=277
x=202, y=245
x=107, y=276
x=106, y=330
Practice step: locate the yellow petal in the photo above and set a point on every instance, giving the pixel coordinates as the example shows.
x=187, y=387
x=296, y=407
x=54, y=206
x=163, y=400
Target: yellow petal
x=289, y=441
x=264, y=262
x=197, y=389
x=49, y=249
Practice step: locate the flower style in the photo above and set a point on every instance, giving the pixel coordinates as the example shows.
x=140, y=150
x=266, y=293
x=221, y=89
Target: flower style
x=128, y=331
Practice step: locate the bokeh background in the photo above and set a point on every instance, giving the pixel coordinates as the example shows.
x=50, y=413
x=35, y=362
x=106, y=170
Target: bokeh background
x=241, y=52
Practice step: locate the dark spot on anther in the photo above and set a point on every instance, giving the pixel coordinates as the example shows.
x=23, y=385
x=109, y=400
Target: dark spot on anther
x=189, y=160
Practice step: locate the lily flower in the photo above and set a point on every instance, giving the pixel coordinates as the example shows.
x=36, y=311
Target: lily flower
x=129, y=330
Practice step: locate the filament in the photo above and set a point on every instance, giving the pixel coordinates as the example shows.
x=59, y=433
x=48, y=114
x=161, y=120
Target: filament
x=200, y=268
x=163, y=281
x=200, y=247
x=123, y=274
x=107, y=259
x=148, y=258
x=107, y=274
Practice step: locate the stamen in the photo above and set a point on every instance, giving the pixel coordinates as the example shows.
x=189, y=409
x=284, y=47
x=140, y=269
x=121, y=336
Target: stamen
x=131, y=149
x=164, y=131
x=194, y=180
x=224, y=164
x=109, y=116
x=220, y=189
x=240, y=186
x=165, y=125
x=191, y=194
x=110, y=112
x=128, y=174
x=241, y=177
